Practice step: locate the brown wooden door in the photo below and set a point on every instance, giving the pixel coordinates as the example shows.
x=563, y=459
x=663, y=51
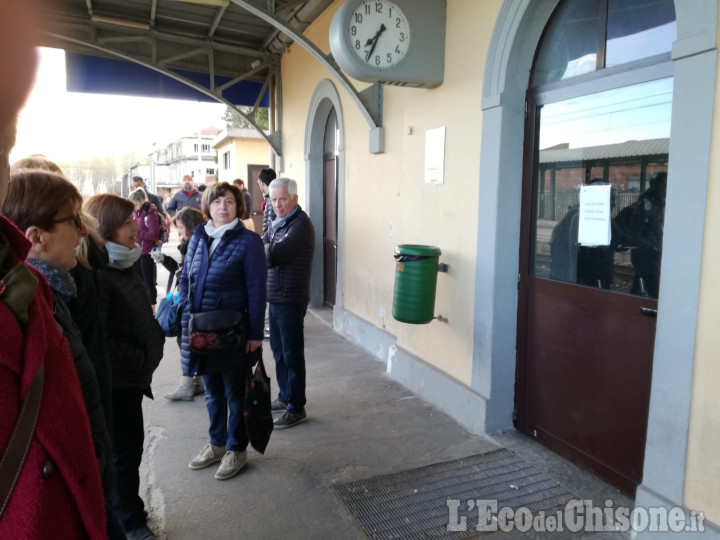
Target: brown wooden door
x=329, y=229
x=586, y=313
x=330, y=208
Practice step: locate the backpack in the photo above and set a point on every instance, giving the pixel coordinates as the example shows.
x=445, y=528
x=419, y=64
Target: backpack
x=163, y=229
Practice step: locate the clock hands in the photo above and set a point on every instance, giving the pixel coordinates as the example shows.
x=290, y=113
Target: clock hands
x=373, y=41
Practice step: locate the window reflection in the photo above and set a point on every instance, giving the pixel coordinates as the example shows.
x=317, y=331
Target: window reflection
x=621, y=138
x=633, y=29
x=639, y=30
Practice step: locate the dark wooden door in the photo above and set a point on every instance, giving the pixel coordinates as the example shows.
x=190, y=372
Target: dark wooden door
x=586, y=313
x=329, y=229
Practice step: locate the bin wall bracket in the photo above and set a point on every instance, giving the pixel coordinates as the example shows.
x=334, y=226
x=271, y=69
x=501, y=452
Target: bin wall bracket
x=442, y=319
x=442, y=267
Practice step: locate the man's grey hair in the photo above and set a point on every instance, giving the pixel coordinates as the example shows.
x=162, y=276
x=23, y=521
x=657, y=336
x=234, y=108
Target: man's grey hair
x=287, y=183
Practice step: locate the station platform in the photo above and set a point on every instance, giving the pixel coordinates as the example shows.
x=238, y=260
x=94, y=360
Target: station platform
x=360, y=425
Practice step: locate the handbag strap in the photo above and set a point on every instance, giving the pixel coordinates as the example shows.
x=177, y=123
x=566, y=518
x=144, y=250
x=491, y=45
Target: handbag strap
x=17, y=449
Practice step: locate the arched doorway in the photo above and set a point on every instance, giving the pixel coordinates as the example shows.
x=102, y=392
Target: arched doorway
x=330, y=205
x=515, y=40
x=594, y=185
x=324, y=168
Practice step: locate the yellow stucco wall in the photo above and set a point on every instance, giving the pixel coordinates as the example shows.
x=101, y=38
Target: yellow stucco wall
x=245, y=151
x=385, y=193
x=702, y=489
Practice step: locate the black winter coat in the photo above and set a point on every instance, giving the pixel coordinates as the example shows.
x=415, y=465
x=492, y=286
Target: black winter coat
x=84, y=311
x=289, y=253
x=88, y=385
x=235, y=280
x=134, y=338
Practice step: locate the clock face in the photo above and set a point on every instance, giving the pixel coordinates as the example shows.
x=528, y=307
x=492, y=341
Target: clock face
x=379, y=33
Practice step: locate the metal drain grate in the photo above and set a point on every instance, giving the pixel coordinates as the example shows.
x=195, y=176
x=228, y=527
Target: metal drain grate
x=414, y=504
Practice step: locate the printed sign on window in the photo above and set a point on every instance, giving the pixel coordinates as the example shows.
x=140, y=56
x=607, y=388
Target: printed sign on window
x=594, y=215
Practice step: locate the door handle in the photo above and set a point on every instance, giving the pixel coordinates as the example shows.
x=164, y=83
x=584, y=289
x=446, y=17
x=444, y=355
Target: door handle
x=650, y=312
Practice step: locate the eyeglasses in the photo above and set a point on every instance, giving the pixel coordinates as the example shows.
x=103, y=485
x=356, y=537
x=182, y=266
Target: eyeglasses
x=76, y=219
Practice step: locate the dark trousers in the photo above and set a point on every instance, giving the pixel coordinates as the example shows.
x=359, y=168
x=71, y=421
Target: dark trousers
x=287, y=342
x=128, y=439
x=224, y=396
x=148, y=272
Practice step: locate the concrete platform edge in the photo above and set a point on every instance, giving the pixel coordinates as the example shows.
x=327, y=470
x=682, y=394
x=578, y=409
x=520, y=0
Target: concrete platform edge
x=443, y=392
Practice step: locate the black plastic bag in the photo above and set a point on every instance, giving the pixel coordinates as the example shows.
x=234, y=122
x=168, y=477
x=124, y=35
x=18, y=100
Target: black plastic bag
x=256, y=409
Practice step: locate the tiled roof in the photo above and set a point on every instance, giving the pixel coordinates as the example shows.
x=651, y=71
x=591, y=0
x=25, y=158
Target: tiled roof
x=648, y=147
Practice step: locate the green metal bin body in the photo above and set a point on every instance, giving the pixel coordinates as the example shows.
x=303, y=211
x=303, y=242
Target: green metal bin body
x=416, y=269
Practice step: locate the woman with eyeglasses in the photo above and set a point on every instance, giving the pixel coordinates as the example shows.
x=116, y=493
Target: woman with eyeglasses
x=135, y=343
x=46, y=207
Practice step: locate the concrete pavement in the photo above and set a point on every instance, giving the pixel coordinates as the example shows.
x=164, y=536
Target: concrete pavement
x=360, y=424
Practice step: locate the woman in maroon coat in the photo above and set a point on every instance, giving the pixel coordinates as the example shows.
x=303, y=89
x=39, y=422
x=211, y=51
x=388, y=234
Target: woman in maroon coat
x=58, y=493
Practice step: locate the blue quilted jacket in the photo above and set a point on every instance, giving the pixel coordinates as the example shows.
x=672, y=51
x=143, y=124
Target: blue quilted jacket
x=235, y=280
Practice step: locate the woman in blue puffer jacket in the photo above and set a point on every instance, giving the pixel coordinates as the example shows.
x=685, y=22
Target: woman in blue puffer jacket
x=236, y=274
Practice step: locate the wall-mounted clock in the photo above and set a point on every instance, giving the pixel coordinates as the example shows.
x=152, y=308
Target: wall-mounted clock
x=400, y=42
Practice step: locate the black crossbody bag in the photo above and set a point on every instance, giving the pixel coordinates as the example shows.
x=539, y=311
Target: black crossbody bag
x=221, y=331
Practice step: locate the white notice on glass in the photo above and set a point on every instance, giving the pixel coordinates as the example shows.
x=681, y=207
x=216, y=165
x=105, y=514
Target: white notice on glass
x=594, y=216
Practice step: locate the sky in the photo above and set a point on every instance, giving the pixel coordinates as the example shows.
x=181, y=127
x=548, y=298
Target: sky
x=65, y=126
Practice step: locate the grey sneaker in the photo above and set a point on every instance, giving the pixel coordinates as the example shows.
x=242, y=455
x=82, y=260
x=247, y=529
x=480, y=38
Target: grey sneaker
x=208, y=455
x=289, y=419
x=232, y=462
x=278, y=405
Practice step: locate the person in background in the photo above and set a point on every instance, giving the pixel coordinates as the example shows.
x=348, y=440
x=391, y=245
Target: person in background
x=185, y=222
x=246, y=196
x=135, y=343
x=58, y=486
x=187, y=196
x=138, y=183
x=235, y=280
x=36, y=161
x=149, y=229
x=289, y=247
x=264, y=178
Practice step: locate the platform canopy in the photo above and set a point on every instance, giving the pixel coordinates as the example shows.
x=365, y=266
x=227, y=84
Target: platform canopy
x=223, y=50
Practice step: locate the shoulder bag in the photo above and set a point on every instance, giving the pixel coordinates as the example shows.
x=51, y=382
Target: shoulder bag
x=18, y=446
x=221, y=331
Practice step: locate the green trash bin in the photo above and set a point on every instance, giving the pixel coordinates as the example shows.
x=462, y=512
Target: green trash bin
x=416, y=269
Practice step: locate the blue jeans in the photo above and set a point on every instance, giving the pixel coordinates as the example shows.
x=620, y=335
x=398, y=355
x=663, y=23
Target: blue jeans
x=287, y=342
x=226, y=392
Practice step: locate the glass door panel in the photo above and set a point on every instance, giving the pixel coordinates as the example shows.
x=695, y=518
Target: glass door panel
x=621, y=138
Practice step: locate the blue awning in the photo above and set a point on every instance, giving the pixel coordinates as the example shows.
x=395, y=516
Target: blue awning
x=99, y=75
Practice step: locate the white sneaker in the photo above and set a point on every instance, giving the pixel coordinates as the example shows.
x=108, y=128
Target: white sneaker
x=232, y=463
x=208, y=455
x=184, y=391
